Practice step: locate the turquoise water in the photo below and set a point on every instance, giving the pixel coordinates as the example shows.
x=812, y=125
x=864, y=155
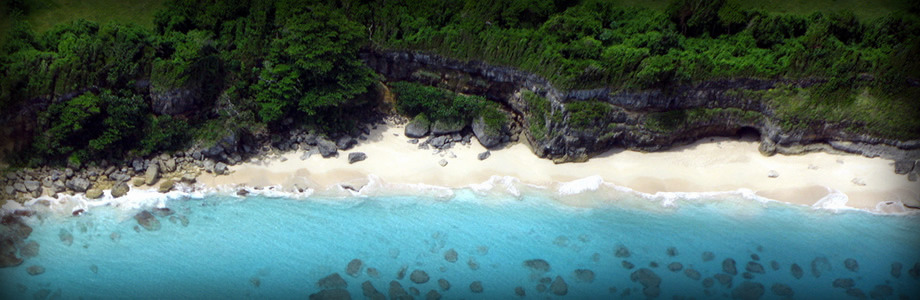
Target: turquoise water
x=277, y=247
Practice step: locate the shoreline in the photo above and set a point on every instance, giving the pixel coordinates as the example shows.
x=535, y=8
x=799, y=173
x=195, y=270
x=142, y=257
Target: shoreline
x=710, y=165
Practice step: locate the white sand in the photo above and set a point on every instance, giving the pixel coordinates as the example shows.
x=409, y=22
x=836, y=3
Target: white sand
x=717, y=164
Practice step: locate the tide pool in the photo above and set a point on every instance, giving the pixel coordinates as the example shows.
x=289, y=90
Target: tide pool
x=221, y=246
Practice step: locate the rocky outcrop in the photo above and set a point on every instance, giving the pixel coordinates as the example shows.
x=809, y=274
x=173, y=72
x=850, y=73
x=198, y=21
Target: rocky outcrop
x=356, y=157
x=147, y=220
x=625, y=124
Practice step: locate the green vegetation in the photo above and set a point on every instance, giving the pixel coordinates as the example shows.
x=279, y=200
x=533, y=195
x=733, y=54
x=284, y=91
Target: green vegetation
x=104, y=67
x=671, y=121
x=435, y=105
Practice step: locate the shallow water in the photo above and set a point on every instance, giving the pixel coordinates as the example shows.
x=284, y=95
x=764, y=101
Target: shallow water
x=277, y=247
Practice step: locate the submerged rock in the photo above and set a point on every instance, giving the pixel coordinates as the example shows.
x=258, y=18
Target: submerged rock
x=559, y=287
x=472, y=264
x=881, y=292
x=444, y=284
x=354, y=267
x=851, y=264
x=708, y=282
x=748, y=290
x=708, y=256
x=724, y=279
x=35, y=270
x=856, y=293
x=774, y=265
x=692, y=274
x=397, y=292
x=373, y=272
x=370, y=292
x=402, y=272
x=537, y=265
x=94, y=269
x=162, y=212
x=519, y=291
x=896, y=270
x=147, y=220
x=255, y=281
x=30, y=249
x=672, y=251
x=675, y=267
x=819, y=265
x=628, y=265
x=728, y=266
x=356, y=157
x=476, y=287
x=65, y=237
x=419, y=277
x=844, y=283
x=334, y=294
x=584, y=275
x=622, y=252
x=754, y=267
x=915, y=271
x=649, y=280
x=796, y=271
x=450, y=255
x=414, y=291
x=333, y=281
x=432, y=295
x=782, y=290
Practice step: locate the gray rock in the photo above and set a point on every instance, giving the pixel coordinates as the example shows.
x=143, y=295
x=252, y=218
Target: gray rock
x=649, y=280
x=442, y=162
x=896, y=270
x=622, y=251
x=754, y=267
x=487, y=137
x=584, y=275
x=78, y=184
x=418, y=127
x=748, y=291
x=418, y=276
x=796, y=271
x=537, y=265
x=444, y=284
x=333, y=281
x=432, y=295
x=708, y=256
x=356, y=157
x=728, y=266
x=345, y=143
x=440, y=127
x=370, y=292
x=169, y=165
x=326, y=148
x=35, y=270
x=147, y=220
x=476, y=287
x=152, y=174
x=412, y=141
x=843, y=283
x=32, y=185
x=851, y=264
x=692, y=274
x=94, y=193
x=10, y=190
x=819, y=265
x=675, y=267
x=782, y=290
x=397, y=291
x=333, y=294
x=220, y=168
x=354, y=267
x=628, y=265
x=166, y=186
x=772, y=174
x=438, y=141
x=137, y=164
x=484, y=155
x=450, y=255
x=903, y=166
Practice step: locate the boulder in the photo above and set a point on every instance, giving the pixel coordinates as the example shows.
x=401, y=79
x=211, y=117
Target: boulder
x=724, y=279
x=438, y=141
x=220, y=168
x=442, y=162
x=692, y=274
x=622, y=251
x=66, y=237
x=356, y=157
x=748, y=290
x=418, y=127
x=559, y=287
x=675, y=267
x=537, y=265
x=584, y=275
x=708, y=256
x=472, y=264
x=419, y=276
x=772, y=174
x=169, y=165
x=903, y=166
x=432, y=295
x=476, y=287
x=373, y=272
x=326, y=148
x=138, y=182
x=152, y=174
x=333, y=281
x=896, y=270
x=354, y=267
x=843, y=283
x=728, y=266
x=440, y=127
x=166, y=186
x=333, y=294
x=754, y=267
x=488, y=137
x=519, y=291
x=120, y=189
x=820, y=265
x=94, y=193
x=649, y=280
x=35, y=270
x=397, y=292
x=444, y=284
x=671, y=251
x=370, y=292
x=450, y=255
x=851, y=264
x=881, y=291
x=78, y=184
x=484, y=155
x=147, y=220
x=345, y=143
x=796, y=271
x=189, y=179
x=627, y=265
x=32, y=185
x=402, y=272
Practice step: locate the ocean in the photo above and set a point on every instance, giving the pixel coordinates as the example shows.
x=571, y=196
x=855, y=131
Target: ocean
x=531, y=243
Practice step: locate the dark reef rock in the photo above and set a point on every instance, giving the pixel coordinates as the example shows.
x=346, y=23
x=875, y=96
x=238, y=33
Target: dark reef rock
x=373, y=272
x=748, y=291
x=856, y=293
x=65, y=237
x=519, y=291
x=622, y=252
x=402, y=272
x=397, y=292
x=433, y=295
x=896, y=270
x=333, y=281
x=708, y=282
x=356, y=157
x=30, y=249
x=450, y=255
x=782, y=290
x=476, y=287
x=559, y=287
x=796, y=271
x=819, y=265
x=472, y=264
x=672, y=251
x=627, y=265
x=754, y=267
x=650, y=282
x=708, y=256
x=881, y=292
x=35, y=270
x=675, y=267
x=584, y=275
x=147, y=220
x=333, y=294
x=419, y=277
x=774, y=265
x=724, y=279
x=444, y=284
x=692, y=274
x=844, y=283
x=537, y=265
x=371, y=293
x=354, y=267
x=728, y=266
x=851, y=264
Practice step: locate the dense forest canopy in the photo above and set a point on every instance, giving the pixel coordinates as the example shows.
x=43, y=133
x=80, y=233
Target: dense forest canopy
x=274, y=64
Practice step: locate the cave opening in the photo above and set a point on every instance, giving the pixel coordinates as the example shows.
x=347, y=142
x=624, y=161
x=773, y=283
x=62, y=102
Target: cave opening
x=747, y=133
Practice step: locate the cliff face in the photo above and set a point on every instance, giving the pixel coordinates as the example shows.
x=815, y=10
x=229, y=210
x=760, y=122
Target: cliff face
x=632, y=119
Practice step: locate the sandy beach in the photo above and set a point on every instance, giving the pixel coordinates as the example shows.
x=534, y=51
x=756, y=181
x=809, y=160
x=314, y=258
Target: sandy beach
x=710, y=165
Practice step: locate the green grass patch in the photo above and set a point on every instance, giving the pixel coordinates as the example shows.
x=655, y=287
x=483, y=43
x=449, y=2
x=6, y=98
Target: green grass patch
x=585, y=114
x=673, y=120
x=537, y=109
